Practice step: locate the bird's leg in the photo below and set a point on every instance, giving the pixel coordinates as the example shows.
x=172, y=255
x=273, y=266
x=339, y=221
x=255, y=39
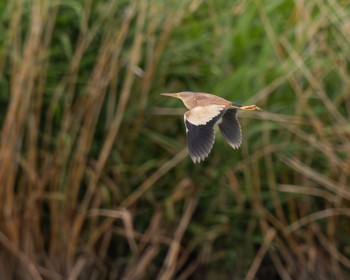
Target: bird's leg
x=250, y=108
x=246, y=108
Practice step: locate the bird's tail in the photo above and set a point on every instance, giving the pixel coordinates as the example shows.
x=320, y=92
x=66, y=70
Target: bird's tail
x=236, y=105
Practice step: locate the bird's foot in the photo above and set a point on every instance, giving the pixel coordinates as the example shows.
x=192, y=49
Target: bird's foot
x=250, y=108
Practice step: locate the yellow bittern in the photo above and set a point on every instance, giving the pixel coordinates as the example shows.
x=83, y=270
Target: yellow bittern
x=205, y=111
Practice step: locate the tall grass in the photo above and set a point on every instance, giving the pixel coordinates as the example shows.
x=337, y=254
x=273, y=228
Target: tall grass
x=95, y=178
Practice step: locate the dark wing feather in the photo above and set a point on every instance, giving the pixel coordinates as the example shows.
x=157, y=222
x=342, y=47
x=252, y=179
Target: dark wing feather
x=230, y=128
x=201, y=137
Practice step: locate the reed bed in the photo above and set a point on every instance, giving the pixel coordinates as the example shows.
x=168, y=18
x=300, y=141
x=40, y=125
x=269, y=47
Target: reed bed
x=95, y=178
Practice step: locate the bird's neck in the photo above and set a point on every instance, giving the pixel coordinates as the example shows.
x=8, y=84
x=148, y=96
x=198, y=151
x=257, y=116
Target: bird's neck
x=189, y=104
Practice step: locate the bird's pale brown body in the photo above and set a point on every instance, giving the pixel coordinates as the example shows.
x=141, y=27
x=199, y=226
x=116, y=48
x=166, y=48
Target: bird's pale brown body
x=205, y=111
x=205, y=99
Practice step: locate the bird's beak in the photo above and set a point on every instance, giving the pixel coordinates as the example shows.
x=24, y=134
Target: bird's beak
x=176, y=95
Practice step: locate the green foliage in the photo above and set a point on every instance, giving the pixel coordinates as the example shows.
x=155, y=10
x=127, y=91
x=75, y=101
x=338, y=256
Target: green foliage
x=96, y=180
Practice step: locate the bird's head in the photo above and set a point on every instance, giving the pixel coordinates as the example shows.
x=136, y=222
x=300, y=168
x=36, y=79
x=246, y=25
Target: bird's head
x=185, y=96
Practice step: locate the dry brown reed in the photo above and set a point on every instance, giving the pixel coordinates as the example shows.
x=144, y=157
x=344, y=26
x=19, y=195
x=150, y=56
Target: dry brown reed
x=51, y=217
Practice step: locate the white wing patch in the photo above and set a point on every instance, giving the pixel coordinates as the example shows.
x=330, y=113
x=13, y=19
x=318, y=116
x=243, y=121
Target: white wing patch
x=201, y=115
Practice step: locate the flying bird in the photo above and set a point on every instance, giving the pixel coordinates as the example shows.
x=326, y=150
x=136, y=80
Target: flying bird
x=205, y=111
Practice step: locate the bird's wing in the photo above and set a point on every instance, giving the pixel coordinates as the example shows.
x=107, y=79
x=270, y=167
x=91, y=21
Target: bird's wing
x=230, y=128
x=200, y=123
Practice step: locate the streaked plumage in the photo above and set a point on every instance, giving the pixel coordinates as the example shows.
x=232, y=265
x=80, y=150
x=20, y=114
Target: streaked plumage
x=205, y=111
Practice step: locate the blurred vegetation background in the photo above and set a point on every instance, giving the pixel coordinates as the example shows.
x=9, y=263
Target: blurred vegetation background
x=96, y=182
